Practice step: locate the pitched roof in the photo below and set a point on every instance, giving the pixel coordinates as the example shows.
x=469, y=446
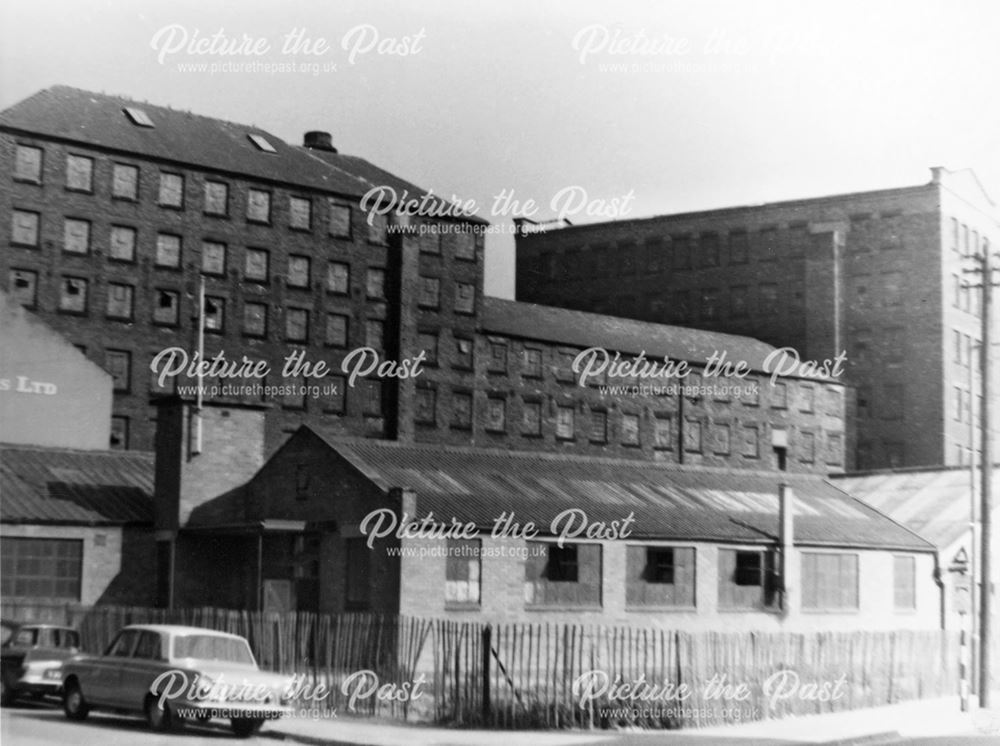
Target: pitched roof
x=669, y=501
x=99, y=119
x=53, y=485
x=583, y=329
x=933, y=502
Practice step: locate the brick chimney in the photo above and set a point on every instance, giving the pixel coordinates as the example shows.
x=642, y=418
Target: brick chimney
x=232, y=450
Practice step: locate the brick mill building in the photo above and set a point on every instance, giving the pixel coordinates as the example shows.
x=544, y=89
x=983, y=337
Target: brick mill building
x=876, y=274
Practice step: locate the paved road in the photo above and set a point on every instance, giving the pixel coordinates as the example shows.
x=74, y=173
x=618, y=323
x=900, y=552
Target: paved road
x=32, y=724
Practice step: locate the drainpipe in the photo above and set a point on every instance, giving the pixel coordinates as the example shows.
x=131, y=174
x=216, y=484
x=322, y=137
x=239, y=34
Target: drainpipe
x=786, y=540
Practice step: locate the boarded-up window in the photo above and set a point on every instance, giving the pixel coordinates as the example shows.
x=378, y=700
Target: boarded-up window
x=531, y=418
x=779, y=395
x=336, y=394
x=119, y=433
x=215, y=314
x=427, y=342
x=747, y=579
x=213, y=258
x=24, y=228
x=80, y=173
x=122, y=245
x=73, y=295
x=299, y=213
x=125, y=181
x=166, y=307
x=336, y=329
x=532, y=359
x=375, y=334
x=496, y=414
x=692, y=435
x=257, y=265
x=834, y=448
x=562, y=576
x=807, y=447
x=430, y=239
x=168, y=250
x=24, y=287
x=829, y=581
x=338, y=277
x=768, y=299
x=630, y=429
x=463, y=353
x=373, y=398
x=375, y=283
x=662, y=432
x=377, y=228
x=119, y=301
x=298, y=271
x=738, y=243
x=751, y=441
x=598, y=426
x=660, y=576
x=255, y=319
x=357, y=574
x=340, y=220
x=463, y=572
x=465, y=245
x=430, y=292
x=171, y=190
x=426, y=408
x=461, y=410
x=564, y=422
x=258, y=206
x=807, y=398
x=28, y=164
x=465, y=297
x=498, y=357
x=76, y=236
x=721, y=438
x=904, y=582
x=216, y=198
x=296, y=325
x=119, y=365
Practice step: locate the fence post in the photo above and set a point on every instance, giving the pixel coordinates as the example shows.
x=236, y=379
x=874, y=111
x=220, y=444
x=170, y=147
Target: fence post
x=487, y=647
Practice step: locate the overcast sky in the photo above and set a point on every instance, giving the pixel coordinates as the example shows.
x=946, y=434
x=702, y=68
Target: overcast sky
x=662, y=106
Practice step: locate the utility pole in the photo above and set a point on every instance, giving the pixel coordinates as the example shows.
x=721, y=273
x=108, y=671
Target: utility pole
x=985, y=270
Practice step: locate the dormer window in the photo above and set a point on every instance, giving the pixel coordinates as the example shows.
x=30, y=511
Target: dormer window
x=138, y=117
x=262, y=143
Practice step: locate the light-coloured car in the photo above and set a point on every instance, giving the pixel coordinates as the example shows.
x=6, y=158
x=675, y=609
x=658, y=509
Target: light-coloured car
x=171, y=674
x=31, y=657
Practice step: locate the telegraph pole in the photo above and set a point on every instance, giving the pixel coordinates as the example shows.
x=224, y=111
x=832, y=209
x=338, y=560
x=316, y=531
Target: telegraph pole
x=985, y=270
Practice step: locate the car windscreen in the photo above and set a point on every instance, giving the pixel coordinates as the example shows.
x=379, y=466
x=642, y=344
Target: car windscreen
x=213, y=648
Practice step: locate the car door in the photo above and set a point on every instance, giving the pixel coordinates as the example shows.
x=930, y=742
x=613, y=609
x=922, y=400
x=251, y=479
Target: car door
x=102, y=677
x=141, y=669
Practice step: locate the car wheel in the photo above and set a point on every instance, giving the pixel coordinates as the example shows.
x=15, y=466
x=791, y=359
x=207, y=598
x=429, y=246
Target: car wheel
x=161, y=718
x=74, y=705
x=245, y=727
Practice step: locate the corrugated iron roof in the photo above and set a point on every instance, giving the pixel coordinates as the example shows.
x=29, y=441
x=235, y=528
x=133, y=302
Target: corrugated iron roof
x=935, y=503
x=583, y=329
x=53, y=485
x=668, y=500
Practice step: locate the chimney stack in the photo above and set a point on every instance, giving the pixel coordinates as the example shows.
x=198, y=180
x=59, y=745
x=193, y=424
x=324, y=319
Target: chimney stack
x=319, y=140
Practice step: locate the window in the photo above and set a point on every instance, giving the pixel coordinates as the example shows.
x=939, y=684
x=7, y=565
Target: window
x=779, y=395
x=255, y=319
x=216, y=198
x=296, y=325
x=751, y=441
x=709, y=303
x=119, y=365
x=138, y=117
x=377, y=228
x=738, y=306
x=659, y=576
x=751, y=392
x=260, y=142
x=465, y=245
x=834, y=449
x=738, y=245
x=41, y=568
x=340, y=220
x=28, y=164
x=168, y=250
x=73, y=295
x=24, y=228
x=166, y=310
x=171, y=190
x=532, y=363
x=463, y=573
x=682, y=252
x=496, y=414
x=125, y=181
x=463, y=353
x=338, y=277
x=498, y=357
x=426, y=406
x=565, y=422
x=692, y=435
x=747, y=579
x=299, y=268
x=357, y=574
x=375, y=334
x=337, y=325
x=807, y=398
x=373, y=398
x=829, y=581
x=213, y=258
x=461, y=410
x=430, y=241
x=258, y=206
x=904, y=582
x=662, y=432
x=79, y=173
x=569, y=575
x=598, y=426
x=76, y=236
x=709, y=249
x=465, y=297
x=892, y=288
x=769, y=299
x=427, y=342
x=531, y=418
x=257, y=265
x=336, y=400
x=630, y=429
x=215, y=314
x=120, y=301
x=430, y=292
x=122, y=245
x=24, y=287
x=807, y=447
x=299, y=213
x=375, y=283
x=148, y=647
x=721, y=439
x=119, y=433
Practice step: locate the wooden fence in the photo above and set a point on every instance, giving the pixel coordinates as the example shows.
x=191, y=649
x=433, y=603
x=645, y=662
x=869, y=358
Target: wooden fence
x=539, y=675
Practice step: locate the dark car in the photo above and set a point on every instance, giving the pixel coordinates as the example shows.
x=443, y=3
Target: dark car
x=31, y=658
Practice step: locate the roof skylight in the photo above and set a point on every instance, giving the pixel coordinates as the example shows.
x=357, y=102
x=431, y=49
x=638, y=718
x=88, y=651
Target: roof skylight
x=262, y=143
x=138, y=117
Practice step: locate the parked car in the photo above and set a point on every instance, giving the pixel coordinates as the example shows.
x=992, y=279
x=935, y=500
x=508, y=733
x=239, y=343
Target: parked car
x=171, y=673
x=31, y=658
